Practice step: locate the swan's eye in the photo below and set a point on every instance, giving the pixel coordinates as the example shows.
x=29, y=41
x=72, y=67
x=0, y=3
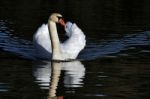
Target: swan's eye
x=59, y=17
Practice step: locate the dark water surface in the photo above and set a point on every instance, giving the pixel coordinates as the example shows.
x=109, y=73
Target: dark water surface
x=115, y=63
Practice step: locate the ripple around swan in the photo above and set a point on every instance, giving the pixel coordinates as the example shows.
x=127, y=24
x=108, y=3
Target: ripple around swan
x=4, y=87
x=93, y=50
x=105, y=48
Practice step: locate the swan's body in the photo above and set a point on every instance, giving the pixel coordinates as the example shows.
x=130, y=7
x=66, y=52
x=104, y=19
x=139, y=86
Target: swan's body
x=48, y=46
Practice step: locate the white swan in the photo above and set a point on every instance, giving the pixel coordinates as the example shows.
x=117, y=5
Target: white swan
x=47, y=43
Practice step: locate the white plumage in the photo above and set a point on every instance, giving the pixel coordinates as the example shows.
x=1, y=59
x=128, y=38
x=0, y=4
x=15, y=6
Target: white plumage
x=69, y=49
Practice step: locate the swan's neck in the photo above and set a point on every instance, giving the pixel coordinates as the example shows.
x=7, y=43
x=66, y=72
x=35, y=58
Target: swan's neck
x=56, y=53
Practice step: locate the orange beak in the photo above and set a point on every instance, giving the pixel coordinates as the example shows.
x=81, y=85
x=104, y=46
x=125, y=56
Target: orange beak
x=62, y=22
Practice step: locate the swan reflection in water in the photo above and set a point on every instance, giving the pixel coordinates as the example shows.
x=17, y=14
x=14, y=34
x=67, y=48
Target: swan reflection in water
x=48, y=74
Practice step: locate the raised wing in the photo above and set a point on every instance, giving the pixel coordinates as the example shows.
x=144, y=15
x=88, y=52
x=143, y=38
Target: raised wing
x=76, y=42
x=42, y=43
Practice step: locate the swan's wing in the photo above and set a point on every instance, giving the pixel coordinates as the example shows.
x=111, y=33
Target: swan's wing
x=42, y=43
x=76, y=42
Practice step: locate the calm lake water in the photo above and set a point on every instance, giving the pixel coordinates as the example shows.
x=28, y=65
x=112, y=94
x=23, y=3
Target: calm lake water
x=114, y=64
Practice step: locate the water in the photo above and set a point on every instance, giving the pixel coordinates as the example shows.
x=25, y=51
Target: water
x=114, y=64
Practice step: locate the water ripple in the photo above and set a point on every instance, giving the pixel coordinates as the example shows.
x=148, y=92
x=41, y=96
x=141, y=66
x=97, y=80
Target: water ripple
x=104, y=48
x=4, y=87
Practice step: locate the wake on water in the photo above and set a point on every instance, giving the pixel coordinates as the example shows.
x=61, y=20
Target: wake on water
x=93, y=50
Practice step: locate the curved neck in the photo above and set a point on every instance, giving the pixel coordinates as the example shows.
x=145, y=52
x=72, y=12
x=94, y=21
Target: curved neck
x=56, y=53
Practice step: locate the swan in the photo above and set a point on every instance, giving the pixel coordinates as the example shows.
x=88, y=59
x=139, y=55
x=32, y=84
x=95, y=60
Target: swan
x=48, y=45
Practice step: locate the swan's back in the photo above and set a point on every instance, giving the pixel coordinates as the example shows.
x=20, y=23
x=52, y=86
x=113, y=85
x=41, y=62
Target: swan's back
x=76, y=42
x=42, y=42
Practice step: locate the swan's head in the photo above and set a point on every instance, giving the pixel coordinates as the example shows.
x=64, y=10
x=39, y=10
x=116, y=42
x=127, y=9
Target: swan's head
x=57, y=18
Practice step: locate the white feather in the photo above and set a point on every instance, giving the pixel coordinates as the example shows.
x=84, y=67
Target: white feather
x=76, y=42
x=69, y=49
